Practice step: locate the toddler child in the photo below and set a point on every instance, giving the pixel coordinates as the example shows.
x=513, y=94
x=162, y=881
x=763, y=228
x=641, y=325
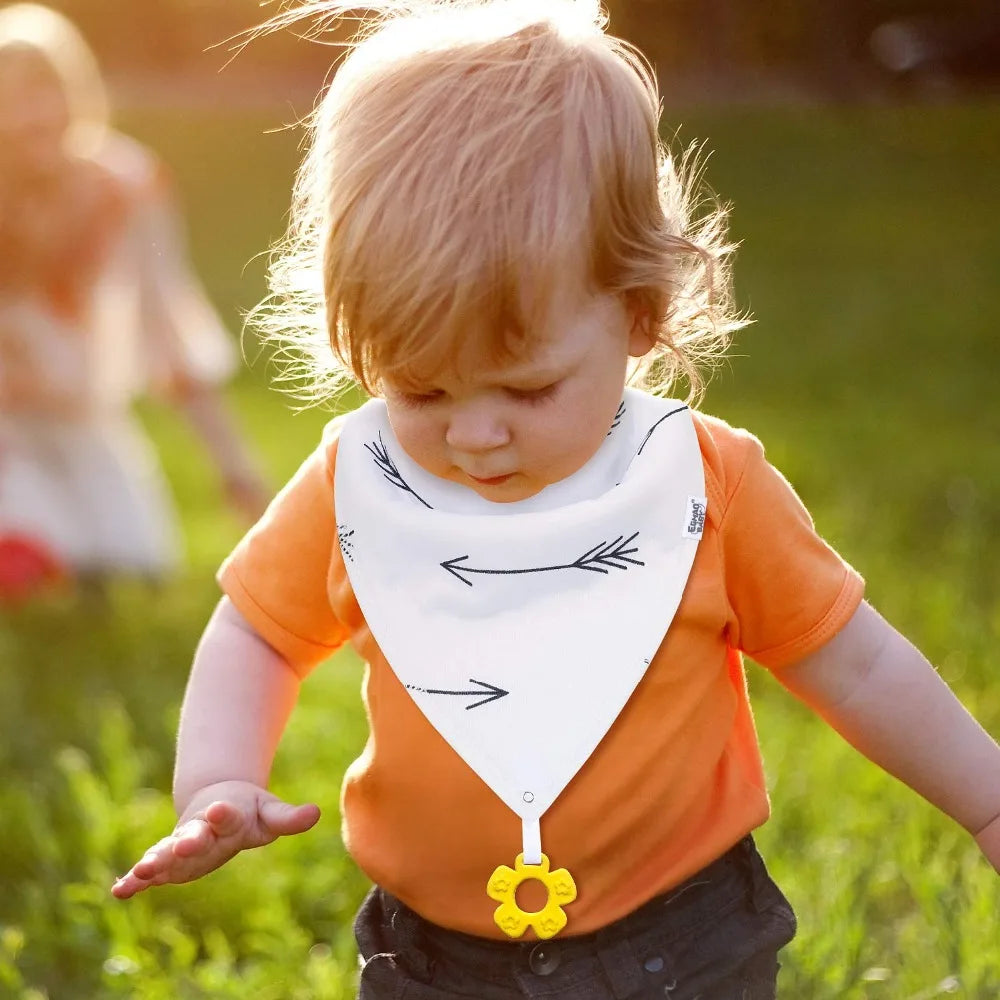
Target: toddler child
x=552, y=575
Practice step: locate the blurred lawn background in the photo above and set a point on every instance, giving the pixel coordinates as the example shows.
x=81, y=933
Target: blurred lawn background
x=870, y=258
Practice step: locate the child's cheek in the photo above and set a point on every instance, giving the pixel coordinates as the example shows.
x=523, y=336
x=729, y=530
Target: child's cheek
x=422, y=437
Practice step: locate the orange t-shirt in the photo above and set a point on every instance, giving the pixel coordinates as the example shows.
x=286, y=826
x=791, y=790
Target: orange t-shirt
x=677, y=779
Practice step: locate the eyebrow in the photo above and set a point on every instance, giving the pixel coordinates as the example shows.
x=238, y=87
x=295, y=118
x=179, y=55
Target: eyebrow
x=557, y=365
x=524, y=375
x=519, y=377
x=541, y=376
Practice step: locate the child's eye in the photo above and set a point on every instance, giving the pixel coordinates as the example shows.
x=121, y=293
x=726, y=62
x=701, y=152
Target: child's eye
x=418, y=399
x=539, y=395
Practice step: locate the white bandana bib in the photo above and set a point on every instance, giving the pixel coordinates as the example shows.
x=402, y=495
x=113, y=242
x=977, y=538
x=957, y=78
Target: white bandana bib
x=520, y=630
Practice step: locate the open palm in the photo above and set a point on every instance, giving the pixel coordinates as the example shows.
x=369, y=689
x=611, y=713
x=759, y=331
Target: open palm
x=219, y=822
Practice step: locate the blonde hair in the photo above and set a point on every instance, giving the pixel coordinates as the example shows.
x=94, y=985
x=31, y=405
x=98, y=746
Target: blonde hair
x=467, y=155
x=32, y=28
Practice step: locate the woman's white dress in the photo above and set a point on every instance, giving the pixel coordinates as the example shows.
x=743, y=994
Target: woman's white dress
x=89, y=487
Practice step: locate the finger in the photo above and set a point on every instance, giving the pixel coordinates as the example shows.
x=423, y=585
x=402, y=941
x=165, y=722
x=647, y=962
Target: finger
x=131, y=883
x=283, y=819
x=192, y=838
x=149, y=865
x=224, y=819
x=128, y=885
x=219, y=821
x=155, y=859
x=170, y=867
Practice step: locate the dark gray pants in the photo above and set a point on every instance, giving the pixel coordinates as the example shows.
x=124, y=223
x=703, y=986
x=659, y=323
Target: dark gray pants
x=714, y=937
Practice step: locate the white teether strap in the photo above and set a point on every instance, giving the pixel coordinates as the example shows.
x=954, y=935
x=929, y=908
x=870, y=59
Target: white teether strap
x=531, y=841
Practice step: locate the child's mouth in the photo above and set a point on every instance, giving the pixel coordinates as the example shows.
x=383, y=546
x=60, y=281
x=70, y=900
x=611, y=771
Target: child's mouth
x=491, y=481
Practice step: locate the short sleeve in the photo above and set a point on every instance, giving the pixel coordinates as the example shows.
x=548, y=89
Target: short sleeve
x=790, y=592
x=277, y=576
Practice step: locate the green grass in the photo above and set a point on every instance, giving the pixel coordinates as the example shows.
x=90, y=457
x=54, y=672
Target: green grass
x=871, y=249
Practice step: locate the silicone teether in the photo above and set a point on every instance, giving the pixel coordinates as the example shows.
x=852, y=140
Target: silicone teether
x=510, y=918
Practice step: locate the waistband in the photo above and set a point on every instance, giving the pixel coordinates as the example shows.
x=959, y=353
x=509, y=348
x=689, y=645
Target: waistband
x=737, y=880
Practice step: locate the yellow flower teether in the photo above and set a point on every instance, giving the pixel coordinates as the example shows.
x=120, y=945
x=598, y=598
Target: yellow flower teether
x=510, y=918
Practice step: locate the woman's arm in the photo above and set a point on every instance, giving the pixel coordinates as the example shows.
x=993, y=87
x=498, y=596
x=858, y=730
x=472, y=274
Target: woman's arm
x=880, y=693
x=239, y=697
x=206, y=410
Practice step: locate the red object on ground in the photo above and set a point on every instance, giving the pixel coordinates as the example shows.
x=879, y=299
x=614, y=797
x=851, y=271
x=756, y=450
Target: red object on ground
x=26, y=567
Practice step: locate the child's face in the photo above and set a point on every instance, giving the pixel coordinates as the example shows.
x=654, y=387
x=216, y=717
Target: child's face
x=34, y=115
x=507, y=430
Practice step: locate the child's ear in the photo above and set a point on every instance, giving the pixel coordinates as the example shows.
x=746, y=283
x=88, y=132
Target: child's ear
x=642, y=335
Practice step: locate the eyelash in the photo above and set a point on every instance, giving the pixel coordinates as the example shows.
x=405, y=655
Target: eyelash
x=533, y=396
x=416, y=400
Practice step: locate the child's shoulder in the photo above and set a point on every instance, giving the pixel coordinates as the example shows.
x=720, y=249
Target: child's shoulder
x=727, y=453
x=329, y=440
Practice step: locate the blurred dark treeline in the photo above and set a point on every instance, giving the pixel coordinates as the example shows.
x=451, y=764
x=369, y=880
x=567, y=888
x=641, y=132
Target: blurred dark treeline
x=713, y=49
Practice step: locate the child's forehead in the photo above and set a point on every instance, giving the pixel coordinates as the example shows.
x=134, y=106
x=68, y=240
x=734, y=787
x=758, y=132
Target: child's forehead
x=526, y=359
x=531, y=332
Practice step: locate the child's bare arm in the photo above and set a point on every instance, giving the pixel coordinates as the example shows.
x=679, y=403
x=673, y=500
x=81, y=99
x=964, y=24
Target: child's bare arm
x=238, y=700
x=880, y=693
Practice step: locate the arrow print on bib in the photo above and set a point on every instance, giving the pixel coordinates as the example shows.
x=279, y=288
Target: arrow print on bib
x=491, y=692
x=390, y=473
x=599, y=559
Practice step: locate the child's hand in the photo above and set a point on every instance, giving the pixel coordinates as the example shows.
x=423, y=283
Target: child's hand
x=219, y=822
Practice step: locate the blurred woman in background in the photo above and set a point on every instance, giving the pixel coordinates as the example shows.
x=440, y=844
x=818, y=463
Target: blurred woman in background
x=98, y=305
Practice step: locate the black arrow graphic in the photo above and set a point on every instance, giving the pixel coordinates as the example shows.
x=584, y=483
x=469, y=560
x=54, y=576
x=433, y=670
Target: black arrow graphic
x=604, y=555
x=649, y=433
x=491, y=690
x=618, y=417
x=384, y=461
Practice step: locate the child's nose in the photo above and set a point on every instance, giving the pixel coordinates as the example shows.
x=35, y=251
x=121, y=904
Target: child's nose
x=476, y=428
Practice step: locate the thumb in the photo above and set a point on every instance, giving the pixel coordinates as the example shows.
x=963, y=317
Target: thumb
x=282, y=819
